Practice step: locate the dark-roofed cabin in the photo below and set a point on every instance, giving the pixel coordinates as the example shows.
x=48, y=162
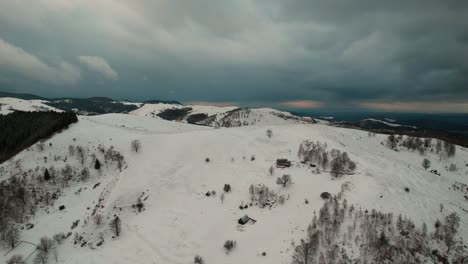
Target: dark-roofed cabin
x=283, y=163
x=245, y=219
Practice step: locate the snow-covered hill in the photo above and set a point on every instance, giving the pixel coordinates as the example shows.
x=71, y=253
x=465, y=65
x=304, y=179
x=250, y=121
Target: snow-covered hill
x=8, y=105
x=219, y=116
x=177, y=165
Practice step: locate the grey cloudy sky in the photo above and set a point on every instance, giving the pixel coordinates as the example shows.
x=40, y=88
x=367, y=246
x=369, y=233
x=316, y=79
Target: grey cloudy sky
x=389, y=55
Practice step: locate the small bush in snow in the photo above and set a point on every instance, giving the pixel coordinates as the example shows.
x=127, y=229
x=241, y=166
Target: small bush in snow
x=198, y=260
x=407, y=189
x=284, y=180
x=229, y=245
x=269, y=133
x=325, y=195
x=207, y=160
x=227, y=188
x=59, y=237
x=453, y=167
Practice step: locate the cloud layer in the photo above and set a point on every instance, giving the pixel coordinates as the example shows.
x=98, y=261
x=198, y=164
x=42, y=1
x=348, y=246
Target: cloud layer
x=16, y=60
x=100, y=66
x=333, y=52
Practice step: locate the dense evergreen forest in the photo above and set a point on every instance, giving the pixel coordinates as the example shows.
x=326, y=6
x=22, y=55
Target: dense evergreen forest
x=19, y=130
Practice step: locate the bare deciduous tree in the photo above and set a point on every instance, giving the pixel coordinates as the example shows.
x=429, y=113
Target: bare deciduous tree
x=115, y=225
x=45, y=244
x=136, y=145
x=284, y=180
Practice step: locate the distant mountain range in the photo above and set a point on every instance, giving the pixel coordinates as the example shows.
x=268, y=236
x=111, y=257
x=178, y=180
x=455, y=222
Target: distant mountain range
x=450, y=127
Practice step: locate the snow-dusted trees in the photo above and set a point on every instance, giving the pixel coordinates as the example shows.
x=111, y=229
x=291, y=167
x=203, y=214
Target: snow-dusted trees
x=316, y=153
x=269, y=133
x=340, y=228
x=341, y=163
x=303, y=253
x=84, y=174
x=114, y=156
x=392, y=141
x=12, y=236
x=81, y=154
x=284, y=180
x=45, y=244
x=115, y=225
x=312, y=152
x=426, y=164
x=136, y=145
x=263, y=196
x=449, y=149
x=16, y=259
x=452, y=222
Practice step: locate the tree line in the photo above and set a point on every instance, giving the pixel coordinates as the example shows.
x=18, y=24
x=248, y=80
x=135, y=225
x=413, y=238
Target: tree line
x=20, y=130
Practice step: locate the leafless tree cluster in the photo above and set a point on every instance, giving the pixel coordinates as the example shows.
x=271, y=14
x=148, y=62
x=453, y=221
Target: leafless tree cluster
x=262, y=196
x=341, y=163
x=111, y=155
x=344, y=234
x=316, y=153
x=442, y=148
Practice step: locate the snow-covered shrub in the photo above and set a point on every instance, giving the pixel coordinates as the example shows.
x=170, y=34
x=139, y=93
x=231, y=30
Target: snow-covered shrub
x=453, y=167
x=229, y=245
x=198, y=260
x=325, y=195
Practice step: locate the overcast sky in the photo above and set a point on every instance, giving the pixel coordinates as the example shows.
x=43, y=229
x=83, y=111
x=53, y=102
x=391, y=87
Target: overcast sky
x=306, y=54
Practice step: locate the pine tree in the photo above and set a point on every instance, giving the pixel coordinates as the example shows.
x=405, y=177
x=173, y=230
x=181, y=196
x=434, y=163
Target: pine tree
x=46, y=175
x=97, y=165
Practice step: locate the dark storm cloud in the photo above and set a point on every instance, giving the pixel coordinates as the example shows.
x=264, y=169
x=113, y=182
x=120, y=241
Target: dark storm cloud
x=295, y=52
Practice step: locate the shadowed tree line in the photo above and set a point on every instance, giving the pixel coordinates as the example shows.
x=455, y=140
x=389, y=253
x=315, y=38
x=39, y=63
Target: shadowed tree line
x=20, y=130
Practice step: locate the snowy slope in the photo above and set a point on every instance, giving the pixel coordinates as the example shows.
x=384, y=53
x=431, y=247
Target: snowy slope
x=179, y=221
x=8, y=105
